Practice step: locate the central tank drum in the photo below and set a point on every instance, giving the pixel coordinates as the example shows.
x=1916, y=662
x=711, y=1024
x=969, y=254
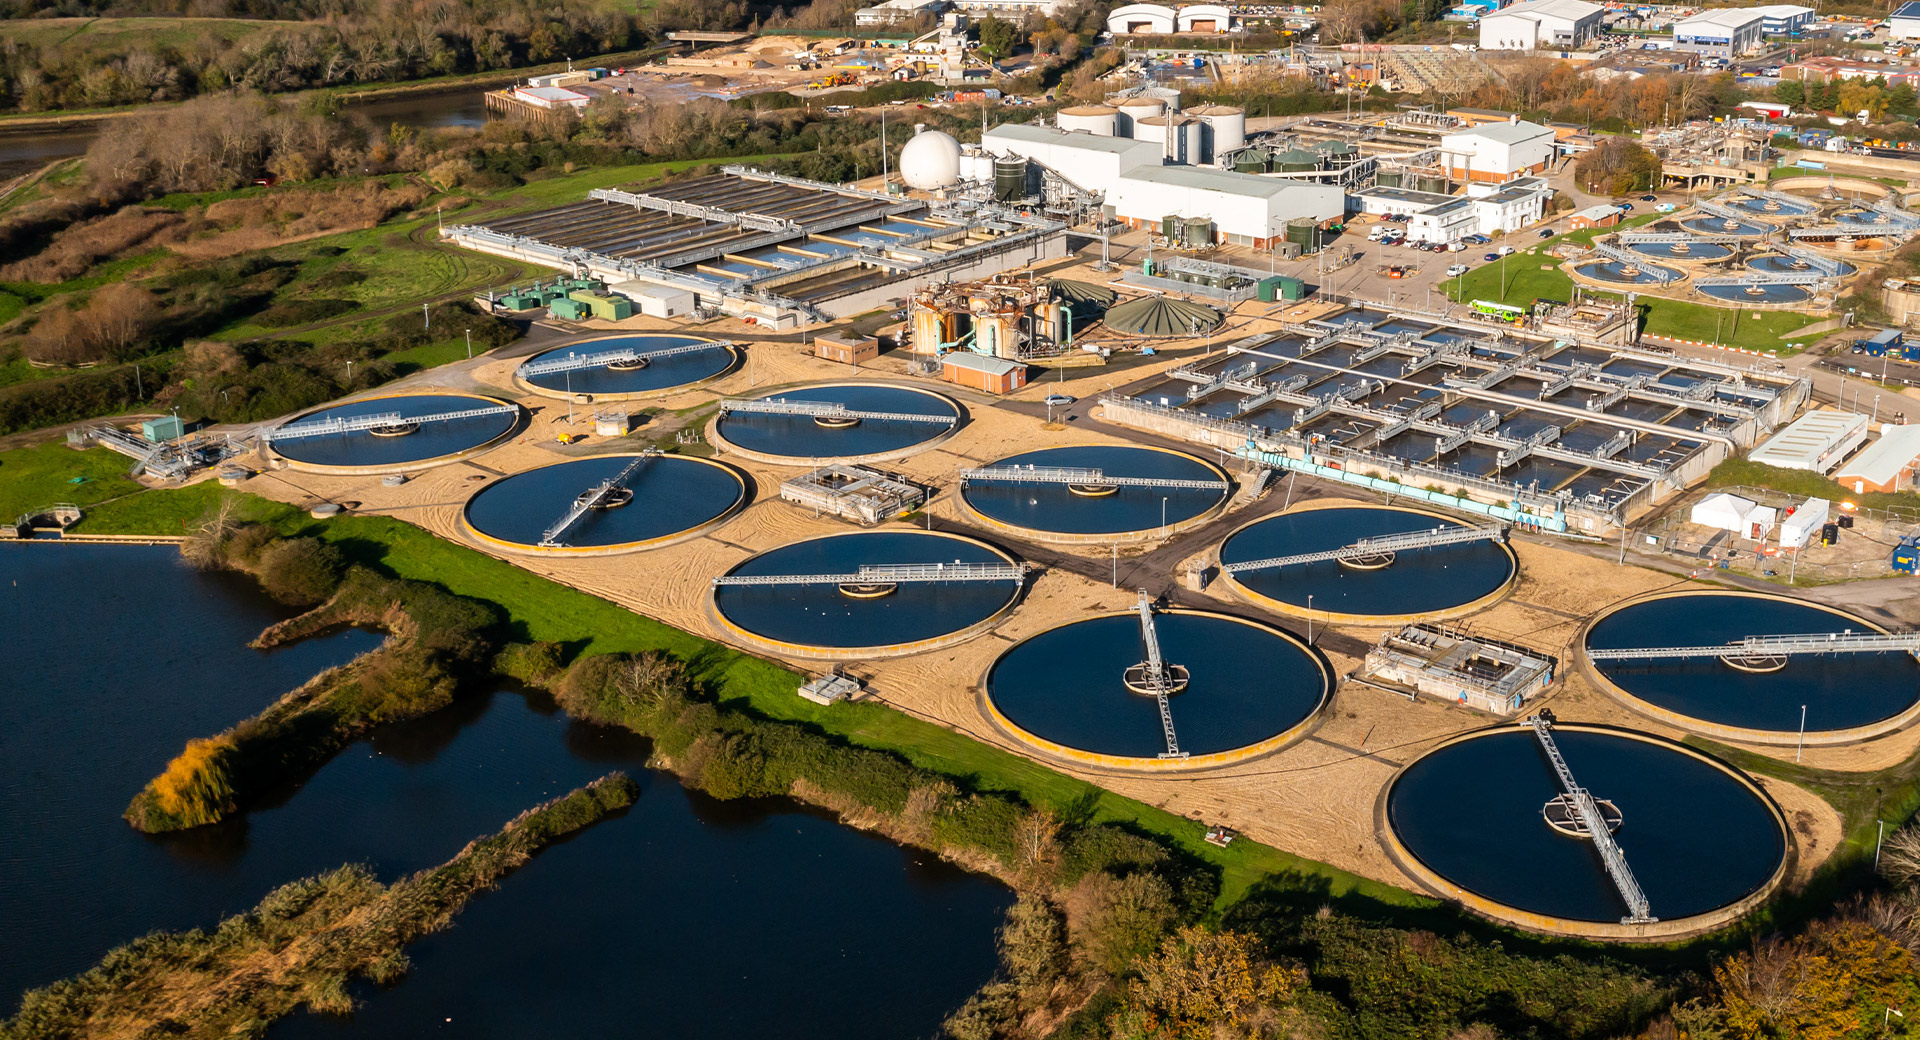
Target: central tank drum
x=1010, y=179
x=1094, y=119
x=930, y=161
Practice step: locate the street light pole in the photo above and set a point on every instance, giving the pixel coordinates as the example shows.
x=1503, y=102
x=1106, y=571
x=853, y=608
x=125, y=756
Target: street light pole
x=469, y=344
x=1801, y=741
x=1309, y=619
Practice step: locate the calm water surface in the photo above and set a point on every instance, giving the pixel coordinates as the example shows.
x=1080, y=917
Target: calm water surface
x=680, y=917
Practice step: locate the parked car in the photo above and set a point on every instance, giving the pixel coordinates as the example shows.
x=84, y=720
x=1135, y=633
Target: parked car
x=1057, y=400
x=1491, y=256
x=1625, y=206
x=1546, y=232
x=1504, y=250
x=1456, y=270
x=1649, y=198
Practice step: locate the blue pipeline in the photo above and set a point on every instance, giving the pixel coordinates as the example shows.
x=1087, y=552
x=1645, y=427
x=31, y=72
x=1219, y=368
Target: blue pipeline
x=1556, y=522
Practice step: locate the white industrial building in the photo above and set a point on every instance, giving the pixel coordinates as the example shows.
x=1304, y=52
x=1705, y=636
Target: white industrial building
x=1497, y=152
x=1160, y=20
x=1726, y=32
x=1541, y=25
x=1904, y=23
x=1484, y=210
x=1816, y=441
x=1782, y=19
x=1091, y=162
x=1246, y=209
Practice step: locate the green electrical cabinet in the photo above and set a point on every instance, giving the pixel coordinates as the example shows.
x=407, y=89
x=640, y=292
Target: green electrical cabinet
x=570, y=310
x=606, y=306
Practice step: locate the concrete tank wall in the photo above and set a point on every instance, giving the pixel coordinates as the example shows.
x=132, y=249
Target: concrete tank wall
x=1094, y=119
x=1132, y=110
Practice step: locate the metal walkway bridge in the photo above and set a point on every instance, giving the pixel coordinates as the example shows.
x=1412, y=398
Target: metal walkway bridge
x=1158, y=677
x=825, y=410
x=593, y=498
x=1775, y=646
x=1375, y=547
x=888, y=574
x=380, y=420
x=1071, y=475
x=1638, y=912
x=627, y=355
x=1638, y=261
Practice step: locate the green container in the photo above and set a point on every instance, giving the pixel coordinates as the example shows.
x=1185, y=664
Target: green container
x=1292, y=288
x=166, y=428
x=604, y=305
x=522, y=302
x=570, y=310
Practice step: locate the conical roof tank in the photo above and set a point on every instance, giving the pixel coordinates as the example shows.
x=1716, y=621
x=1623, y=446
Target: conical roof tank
x=1094, y=119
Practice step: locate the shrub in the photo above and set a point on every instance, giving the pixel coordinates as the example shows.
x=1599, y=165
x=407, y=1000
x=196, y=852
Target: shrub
x=533, y=663
x=1114, y=920
x=300, y=571
x=303, y=312
x=196, y=788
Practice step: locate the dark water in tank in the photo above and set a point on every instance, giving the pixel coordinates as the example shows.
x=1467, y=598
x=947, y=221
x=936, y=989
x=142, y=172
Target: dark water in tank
x=646, y=923
x=1841, y=691
x=1694, y=250
x=1694, y=837
x=1247, y=684
x=1766, y=294
x=658, y=374
x=669, y=495
x=820, y=615
x=1052, y=507
x=430, y=441
x=1418, y=579
x=1719, y=226
x=798, y=436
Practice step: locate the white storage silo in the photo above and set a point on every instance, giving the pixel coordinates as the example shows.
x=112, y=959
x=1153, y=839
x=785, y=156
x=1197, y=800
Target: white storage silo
x=1094, y=119
x=1153, y=129
x=1225, y=131
x=1134, y=109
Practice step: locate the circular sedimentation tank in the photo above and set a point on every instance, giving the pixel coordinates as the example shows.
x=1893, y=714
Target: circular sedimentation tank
x=824, y=620
x=411, y=439
x=1095, y=511
x=1848, y=697
x=1073, y=692
x=1772, y=207
x=1474, y=819
x=1757, y=293
x=1626, y=274
x=1723, y=226
x=1414, y=584
x=1776, y=263
x=1689, y=251
x=809, y=439
x=664, y=498
x=641, y=377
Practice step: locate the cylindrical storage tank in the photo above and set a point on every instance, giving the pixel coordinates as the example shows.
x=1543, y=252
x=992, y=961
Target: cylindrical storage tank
x=1200, y=232
x=1435, y=184
x=1132, y=110
x=927, y=329
x=1226, y=129
x=1389, y=179
x=1010, y=179
x=1302, y=231
x=1192, y=138
x=1094, y=119
x=976, y=165
x=1151, y=128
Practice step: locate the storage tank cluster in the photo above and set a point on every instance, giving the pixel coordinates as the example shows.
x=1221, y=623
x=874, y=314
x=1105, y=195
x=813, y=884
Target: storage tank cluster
x=1203, y=136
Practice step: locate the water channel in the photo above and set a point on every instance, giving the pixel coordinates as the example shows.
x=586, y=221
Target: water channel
x=682, y=917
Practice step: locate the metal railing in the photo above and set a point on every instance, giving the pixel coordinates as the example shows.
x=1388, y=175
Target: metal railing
x=1367, y=547
x=1156, y=675
x=358, y=423
x=597, y=359
x=1091, y=476
x=1775, y=646
x=1638, y=911
x=888, y=574
x=825, y=410
x=592, y=499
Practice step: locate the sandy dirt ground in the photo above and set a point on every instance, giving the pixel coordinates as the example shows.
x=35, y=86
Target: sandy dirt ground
x=1315, y=798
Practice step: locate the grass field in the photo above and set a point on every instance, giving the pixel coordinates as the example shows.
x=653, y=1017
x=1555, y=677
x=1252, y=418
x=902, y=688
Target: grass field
x=117, y=35
x=32, y=478
x=1532, y=274
x=545, y=610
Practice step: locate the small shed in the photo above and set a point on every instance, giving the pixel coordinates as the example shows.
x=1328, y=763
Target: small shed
x=165, y=428
x=1593, y=217
x=848, y=350
x=992, y=374
x=1887, y=465
x=1803, y=522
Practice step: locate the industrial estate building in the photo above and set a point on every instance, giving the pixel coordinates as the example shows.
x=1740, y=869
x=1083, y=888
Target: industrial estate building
x=1904, y=23
x=1497, y=151
x=1158, y=20
x=1726, y=32
x=1540, y=25
x=1885, y=466
x=1245, y=209
x=1816, y=441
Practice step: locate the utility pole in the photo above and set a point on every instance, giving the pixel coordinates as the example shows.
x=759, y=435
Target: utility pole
x=426, y=316
x=469, y=344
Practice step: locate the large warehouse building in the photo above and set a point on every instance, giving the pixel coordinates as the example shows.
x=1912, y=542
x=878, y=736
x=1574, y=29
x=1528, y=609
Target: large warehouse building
x=1245, y=209
x=1904, y=23
x=1541, y=25
x=1089, y=161
x=1723, y=33
x=1497, y=152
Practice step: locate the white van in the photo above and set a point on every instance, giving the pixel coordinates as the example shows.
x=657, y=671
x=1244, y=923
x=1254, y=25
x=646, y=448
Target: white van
x=1376, y=233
